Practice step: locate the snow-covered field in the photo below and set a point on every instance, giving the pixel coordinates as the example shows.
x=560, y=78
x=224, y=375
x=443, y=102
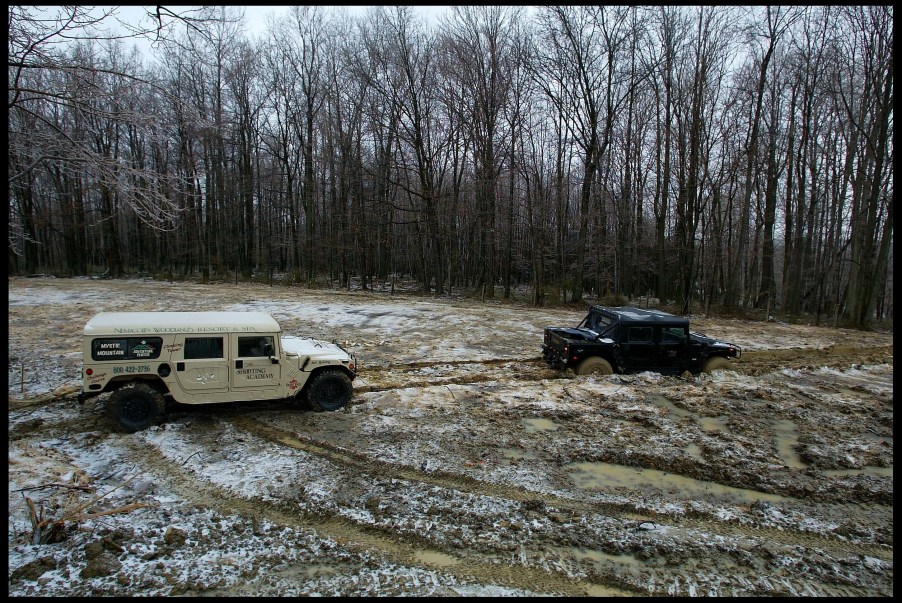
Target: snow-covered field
x=463, y=466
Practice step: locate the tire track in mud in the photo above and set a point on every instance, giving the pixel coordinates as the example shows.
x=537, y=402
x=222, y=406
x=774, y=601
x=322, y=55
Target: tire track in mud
x=757, y=362
x=365, y=464
x=752, y=362
x=397, y=376
x=760, y=362
x=490, y=567
x=362, y=463
x=356, y=538
x=409, y=549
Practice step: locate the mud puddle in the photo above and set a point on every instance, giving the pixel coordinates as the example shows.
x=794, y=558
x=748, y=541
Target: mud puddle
x=606, y=476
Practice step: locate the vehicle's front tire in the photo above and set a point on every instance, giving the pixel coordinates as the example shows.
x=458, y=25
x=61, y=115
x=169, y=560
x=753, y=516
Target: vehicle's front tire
x=136, y=406
x=715, y=363
x=594, y=365
x=330, y=390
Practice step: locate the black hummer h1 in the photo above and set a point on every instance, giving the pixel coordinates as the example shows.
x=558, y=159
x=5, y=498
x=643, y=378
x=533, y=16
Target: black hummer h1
x=631, y=340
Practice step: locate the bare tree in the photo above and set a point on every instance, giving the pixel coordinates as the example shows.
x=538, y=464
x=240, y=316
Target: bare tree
x=872, y=194
x=583, y=150
x=406, y=80
x=69, y=85
x=580, y=72
x=777, y=20
x=480, y=53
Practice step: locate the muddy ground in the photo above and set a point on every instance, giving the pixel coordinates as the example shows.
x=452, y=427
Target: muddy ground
x=463, y=465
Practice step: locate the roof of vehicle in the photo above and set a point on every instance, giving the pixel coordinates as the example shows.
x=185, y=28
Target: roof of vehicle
x=147, y=323
x=630, y=314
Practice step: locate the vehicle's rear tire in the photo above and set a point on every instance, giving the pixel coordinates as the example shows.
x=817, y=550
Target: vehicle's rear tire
x=594, y=365
x=136, y=406
x=330, y=390
x=716, y=363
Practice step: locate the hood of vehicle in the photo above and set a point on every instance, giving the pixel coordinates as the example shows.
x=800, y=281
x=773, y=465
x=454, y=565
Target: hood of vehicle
x=305, y=346
x=710, y=341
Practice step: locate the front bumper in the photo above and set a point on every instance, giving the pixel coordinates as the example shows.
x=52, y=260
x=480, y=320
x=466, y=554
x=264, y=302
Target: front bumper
x=351, y=362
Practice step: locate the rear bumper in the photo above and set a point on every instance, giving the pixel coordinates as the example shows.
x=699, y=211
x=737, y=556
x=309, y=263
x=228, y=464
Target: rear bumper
x=83, y=395
x=553, y=358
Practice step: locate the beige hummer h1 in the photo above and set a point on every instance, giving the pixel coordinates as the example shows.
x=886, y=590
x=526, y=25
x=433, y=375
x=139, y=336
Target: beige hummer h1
x=205, y=358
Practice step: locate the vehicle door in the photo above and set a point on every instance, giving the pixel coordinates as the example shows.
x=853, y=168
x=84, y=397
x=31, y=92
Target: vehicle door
x=672, y=349
x=256, y=371
x=200, y=363
x=638, y=348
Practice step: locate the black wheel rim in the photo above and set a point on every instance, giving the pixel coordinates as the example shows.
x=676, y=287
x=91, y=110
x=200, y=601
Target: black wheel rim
x=135, y=410
x=331, y=392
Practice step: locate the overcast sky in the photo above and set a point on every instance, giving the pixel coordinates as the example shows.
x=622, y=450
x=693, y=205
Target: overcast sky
x=256, y=17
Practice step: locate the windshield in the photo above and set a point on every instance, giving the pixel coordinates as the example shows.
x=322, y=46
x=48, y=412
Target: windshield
x=597, y=323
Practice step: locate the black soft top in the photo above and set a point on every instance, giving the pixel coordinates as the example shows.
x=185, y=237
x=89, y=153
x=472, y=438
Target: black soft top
x=639, y=315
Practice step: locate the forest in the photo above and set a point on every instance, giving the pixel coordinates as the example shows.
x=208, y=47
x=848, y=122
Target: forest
x=716, y=157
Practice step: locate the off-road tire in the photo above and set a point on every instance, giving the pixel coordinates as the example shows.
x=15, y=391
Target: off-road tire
x=330, y=390
x=716, y=362
x=594, y=365
x=136, y=406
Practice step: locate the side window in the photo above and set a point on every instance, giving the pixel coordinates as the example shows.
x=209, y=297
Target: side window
x=673, y=335
x=639, y=335
x=253, y=347
x=126, y=348
x=203, y=347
